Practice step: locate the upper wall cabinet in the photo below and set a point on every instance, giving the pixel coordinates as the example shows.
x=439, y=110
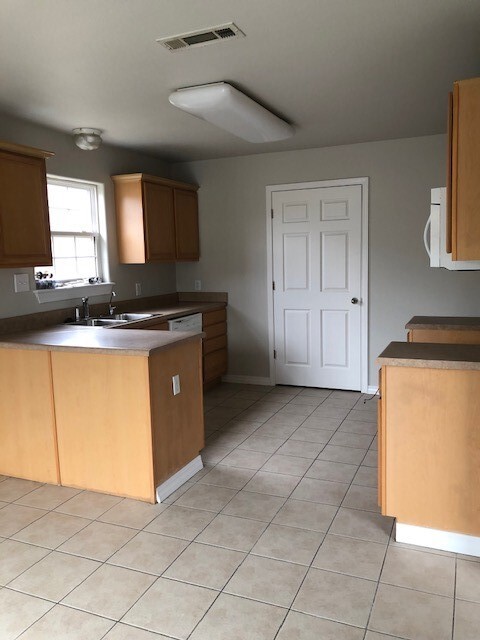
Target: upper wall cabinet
x=463, y=183
x=157, y=219
x=24, y=222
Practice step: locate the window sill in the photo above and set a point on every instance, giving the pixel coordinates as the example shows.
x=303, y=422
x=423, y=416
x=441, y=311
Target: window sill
x=75, y=291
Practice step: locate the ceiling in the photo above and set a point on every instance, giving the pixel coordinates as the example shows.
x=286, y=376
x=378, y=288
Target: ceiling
x=341, y=71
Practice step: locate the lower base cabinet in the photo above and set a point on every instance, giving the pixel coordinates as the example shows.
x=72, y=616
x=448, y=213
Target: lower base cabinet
x=215, y=354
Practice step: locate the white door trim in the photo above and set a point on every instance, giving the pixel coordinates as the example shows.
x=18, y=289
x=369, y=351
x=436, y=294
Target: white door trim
x=343, y=182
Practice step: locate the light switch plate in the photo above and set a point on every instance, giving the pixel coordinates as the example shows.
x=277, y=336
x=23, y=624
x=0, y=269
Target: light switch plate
x=176, y=385
x=21, y=282
x=198, y=285
x=138, y=288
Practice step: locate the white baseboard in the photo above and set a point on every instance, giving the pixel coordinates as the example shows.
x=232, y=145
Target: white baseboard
x=372, y=391
x=437, y=539
x=175, y=482
x=248, y=380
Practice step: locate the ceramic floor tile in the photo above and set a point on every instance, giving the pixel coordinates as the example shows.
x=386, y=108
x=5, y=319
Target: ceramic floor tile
x=16, y=557
x=355, y=440
x=364, y=525
x=206, y=497
x=348, y=455
x=324, y=423
x=319, y=436
x=277, y=429
x=316, y=393
x=350, y=556
x=62, y=622
x=467, y=620
x=289, y=465
x=336, y=596
x=325, y=411
x=125, y=632
x=205, y=566
x=239, y=619
x=239, y=534
x=110, y=591
x=373, y=635
x=306, y=515
x=224, y=438
x=411, y=614
x=54, y=576
x=14, y=517
x=18, y=611
x=88, y=504
x=213, y=454
x=468, y=580
x=14, y=488
x=288, y=544
x=267, y=580
x=299, y=626
x=265, y=444
x=306, y=400
x=300, y=449
x=366, y=476
x=98, y=541
x=172, y=608
x=355, y=426
x=132, y=513
x=296, y=410
x=149, y=552
x=371, y=459
x=323, y=491
x=52, y=530
x=173, y=497
x=274, y=484
x=48, y=496
x=421, y=571
x=333, y=471
x=257, y=506
x=364, y=415
x=359, y=497
x=225, y=476
x=180, y=522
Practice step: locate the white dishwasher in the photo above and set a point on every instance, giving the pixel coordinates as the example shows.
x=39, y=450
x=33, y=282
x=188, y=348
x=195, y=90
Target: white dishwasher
x=186, y=323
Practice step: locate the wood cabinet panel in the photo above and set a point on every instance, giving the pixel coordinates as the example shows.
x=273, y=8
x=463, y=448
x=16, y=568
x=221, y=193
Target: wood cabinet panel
x=215, y=344
x=28, y=445
x=465, y=185
x=214, y=330
x=449, y=173
x=24, y=221
x=214, y=317
x=159, y=222
x=186, y=225
x=215, y=364
x=444, y=336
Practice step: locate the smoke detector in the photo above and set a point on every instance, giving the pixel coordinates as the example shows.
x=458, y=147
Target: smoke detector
x=228, y=31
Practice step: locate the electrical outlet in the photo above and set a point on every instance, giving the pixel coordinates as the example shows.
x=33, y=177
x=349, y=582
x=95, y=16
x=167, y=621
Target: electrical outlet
x=138, y=288
x=198, y=285
x=21, y=282
x=176, y=385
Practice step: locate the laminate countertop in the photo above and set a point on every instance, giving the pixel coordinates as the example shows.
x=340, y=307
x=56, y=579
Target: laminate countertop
x=455, y=323
x=431, y=355
x=118, y=341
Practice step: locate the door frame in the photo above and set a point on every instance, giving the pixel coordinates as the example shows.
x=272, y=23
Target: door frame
x=342, y=182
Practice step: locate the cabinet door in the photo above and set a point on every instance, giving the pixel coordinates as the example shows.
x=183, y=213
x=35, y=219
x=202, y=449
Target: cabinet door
x=186, y=225
x=465, y=170
x=24, y=223
x=159, y=222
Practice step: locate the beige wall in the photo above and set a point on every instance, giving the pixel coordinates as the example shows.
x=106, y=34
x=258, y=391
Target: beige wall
x=233, y=238
x=97, y=166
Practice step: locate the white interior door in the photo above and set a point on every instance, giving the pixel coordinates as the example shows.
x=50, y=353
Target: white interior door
x=317, y=242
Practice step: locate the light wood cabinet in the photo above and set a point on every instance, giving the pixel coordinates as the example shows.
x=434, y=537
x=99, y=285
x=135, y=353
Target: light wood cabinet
x=24, y=221
x=444, y=336
x=463, y=167
x=215, y=354
x=157, y=219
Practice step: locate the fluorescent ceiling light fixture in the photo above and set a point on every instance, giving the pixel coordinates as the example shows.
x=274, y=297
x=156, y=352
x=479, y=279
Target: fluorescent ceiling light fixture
x=230, y=109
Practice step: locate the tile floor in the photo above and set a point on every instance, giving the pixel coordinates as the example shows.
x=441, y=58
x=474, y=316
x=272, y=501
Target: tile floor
x=278, y=537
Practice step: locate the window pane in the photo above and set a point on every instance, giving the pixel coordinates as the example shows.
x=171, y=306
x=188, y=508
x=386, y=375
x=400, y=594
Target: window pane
x=57, y=196
x=70, y=209
x=65, y=269
x=85, y=247
x=63, y=246
x=86, y=267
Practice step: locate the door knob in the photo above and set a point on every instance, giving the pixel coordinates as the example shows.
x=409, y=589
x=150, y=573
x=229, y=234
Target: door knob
x=354, y=300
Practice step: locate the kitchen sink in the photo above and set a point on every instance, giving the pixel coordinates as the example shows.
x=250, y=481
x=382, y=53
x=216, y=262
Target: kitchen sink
x=99, y=322
x=130, y=317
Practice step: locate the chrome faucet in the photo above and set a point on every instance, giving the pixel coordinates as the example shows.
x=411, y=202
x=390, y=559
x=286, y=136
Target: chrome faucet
x=86, y=308
x=111, y=308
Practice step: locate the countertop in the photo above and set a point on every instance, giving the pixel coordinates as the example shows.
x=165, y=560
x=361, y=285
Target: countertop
x=170, y=312
x=129, y=342
x=431, y=355
x=444, y=322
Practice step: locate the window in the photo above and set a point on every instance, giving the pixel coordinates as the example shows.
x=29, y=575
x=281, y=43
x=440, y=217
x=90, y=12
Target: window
x=73, y=209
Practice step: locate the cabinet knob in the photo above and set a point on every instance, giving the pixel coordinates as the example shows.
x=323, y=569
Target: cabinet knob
x=354, y=300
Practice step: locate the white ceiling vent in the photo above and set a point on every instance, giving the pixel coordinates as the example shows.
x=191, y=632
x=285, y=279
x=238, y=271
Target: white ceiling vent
x=200, y=38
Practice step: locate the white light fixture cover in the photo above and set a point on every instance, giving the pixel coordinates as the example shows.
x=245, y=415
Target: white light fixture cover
x=87, y=139
x=230, y=109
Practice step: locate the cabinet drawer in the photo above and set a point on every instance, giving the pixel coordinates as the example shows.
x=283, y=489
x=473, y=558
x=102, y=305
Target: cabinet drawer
x=214, y=344
x=215, y=330
x=214, y=317
x=214, y=365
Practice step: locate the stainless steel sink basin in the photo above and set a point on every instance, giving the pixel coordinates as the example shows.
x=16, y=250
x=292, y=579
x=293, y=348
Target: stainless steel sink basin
x=99, y=322
x=130, y=317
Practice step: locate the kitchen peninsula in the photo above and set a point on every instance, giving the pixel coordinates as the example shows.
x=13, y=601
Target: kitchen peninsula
x=94, y=408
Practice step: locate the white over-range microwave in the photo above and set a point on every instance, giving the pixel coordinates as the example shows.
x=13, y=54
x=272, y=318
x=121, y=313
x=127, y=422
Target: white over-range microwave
x=435, y=236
